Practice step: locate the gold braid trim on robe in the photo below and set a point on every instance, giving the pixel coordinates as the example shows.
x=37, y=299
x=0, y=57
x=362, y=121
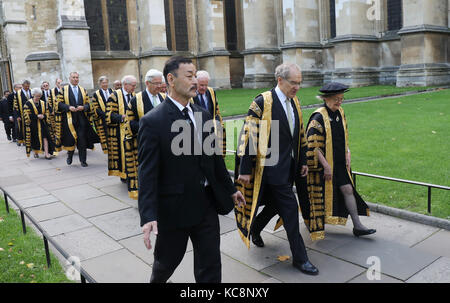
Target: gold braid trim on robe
x=27, y=117
x=257, y=131
x=321, y=197
x=116, y=135
x=18, y=106
x=97, y=103
x=59, y=134
x=222, y=137
x=131, y=148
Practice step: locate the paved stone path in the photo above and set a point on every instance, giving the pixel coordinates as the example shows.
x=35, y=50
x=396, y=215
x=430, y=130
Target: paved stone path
x=90, y=215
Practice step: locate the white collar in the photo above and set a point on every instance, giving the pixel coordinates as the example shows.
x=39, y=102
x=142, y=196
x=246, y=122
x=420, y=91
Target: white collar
x=280, y=94
x=181, y=107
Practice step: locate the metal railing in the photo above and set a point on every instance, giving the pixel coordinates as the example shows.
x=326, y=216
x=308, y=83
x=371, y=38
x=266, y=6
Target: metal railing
x=46, y=238
x=428, y=185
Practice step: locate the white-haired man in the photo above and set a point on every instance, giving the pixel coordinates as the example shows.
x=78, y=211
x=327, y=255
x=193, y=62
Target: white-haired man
x=207, y=98
x=98, y=101
x=142, y=103
x=275, y=180
x=74, y=129
x=116, y=121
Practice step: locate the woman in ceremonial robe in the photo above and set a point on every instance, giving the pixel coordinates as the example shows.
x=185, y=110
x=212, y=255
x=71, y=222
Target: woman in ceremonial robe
x=37, y=127
x=332, y=195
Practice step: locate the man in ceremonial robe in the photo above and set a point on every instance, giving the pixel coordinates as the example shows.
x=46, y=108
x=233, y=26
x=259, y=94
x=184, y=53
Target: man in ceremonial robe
x=142, y=103
x=332, y=195
x=207, y=98
x=99, y=106
x=19, y=101
x=54, y=114
x=11, y=98
x=75, y=129
x=271, y=157
x=116, y=120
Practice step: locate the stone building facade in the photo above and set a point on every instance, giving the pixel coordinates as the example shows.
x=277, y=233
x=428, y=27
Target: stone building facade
x=357, y=42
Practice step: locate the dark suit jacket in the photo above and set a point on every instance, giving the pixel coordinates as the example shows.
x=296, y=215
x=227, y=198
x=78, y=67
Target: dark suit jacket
x=4, y=110
x=78, y=118
x=282, y=172
x=209, y=99
x=11, y=104
x=171, y=187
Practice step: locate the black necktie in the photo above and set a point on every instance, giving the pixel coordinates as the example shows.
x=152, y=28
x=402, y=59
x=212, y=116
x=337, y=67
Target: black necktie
x=128, y=98
x=192, y=130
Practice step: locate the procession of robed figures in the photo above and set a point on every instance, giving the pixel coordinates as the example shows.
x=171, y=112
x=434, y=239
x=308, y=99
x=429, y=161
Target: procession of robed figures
x=314, y=156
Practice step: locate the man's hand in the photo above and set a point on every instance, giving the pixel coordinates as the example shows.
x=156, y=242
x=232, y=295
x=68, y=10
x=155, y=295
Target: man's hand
x=40, y=116
x=80, y=108
x=304, y=171
x=147, y=228
x=328, y=174
x=124, y=117
x=239, y=199
x=245, y=179
x=19, y=119
x=11, y=119
x=72, y=109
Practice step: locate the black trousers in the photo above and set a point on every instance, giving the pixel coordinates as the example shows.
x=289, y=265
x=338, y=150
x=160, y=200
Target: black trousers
x=8, y=127
x=170, y=248
x=280, y=199
x=80, y=129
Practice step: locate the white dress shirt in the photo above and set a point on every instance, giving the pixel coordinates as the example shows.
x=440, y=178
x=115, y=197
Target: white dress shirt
x=283, y=98
x=155, y=102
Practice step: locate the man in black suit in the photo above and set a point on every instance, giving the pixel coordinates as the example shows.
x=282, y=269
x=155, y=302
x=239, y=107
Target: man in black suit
x=179, y=192
x=280, y=105
x=4, y=114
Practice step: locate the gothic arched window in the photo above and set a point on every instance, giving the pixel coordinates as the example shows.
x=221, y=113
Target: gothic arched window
x=176, y=25
x=108, y=24
x=395, y=16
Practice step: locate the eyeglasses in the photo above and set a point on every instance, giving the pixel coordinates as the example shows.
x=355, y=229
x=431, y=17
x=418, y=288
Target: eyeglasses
x=337, y=100
x=293, y=83
x=156, y=84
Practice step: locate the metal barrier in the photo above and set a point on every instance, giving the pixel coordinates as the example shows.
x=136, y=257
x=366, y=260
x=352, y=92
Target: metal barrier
x=428, y=185
x=83, y=274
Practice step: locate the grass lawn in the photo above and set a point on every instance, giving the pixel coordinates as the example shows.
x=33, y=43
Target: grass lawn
x=22, y=257
x=236, y=101
x=406, y=138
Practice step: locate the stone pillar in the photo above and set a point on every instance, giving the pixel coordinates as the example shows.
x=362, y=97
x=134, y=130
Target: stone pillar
x=356, y=44
x=261, y=54
x=212, y=54
x=424, y=43
x=152, y=35
x=72, y=37
x=302, y=39
x=16, y=34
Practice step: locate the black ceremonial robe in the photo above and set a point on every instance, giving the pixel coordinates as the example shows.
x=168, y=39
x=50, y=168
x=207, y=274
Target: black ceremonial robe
x=36, y=130
x=116, y=106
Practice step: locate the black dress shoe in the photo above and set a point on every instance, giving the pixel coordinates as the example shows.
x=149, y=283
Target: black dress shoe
x=360, y=232
x=257, y=240
x=69, y=160
x=84, y=164
x=306, y=268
